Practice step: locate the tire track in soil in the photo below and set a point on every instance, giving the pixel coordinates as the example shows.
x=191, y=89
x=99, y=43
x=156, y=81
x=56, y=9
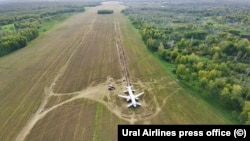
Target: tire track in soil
x=146, y=114
x=95, y=93
x=121, y=53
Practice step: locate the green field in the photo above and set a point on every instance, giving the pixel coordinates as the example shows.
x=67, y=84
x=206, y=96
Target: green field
x=53, y=22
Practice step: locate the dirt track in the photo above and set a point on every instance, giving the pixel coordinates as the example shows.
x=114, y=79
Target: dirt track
x=97, y=93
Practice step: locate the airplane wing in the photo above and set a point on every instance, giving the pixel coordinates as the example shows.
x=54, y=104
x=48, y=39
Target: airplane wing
x=139, y=94
x=123, y=96
x=137, y=103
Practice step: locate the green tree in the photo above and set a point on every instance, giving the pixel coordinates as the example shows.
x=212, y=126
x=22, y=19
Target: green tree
x=214, y=74
x=225, y=95
x=245, y=114
x=236, y=91
x=152, y=44
x=203, y=82
x=181, y=71
x=212, y=87
x=198, y=66
x=216, y=57
x=174, y=54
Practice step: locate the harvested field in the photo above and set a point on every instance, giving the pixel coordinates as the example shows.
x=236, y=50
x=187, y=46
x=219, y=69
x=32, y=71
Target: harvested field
x=94, y=60
x=57, y=87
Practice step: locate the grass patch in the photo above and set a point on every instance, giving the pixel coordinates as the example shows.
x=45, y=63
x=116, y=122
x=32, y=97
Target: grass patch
x=98, y=120
x=215, y=104
x=53, y=22
x=8, y=27
x=167, y=66
x=87, y=8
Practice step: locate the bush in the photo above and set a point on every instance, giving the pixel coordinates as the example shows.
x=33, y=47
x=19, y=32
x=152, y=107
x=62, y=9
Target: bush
x=105, y=11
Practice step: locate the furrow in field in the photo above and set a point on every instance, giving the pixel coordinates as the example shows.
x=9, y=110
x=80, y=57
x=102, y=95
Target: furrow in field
x=25, y=131
x=94, y=61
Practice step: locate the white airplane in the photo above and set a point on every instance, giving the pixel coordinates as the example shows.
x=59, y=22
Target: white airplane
x=131, y=97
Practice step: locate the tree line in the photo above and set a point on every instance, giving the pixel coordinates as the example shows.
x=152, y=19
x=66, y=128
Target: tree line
x=27, y=19
x=105, y=11
x=209, y=56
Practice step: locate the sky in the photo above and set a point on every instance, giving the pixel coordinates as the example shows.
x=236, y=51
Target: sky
x=135, y=0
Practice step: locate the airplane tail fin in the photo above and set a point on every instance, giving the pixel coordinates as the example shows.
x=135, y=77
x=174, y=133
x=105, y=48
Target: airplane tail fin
x=130, y=104
x=126, y=91
x=131, y=86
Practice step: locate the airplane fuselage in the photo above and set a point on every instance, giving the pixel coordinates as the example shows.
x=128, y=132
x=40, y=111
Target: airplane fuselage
x=132, y=97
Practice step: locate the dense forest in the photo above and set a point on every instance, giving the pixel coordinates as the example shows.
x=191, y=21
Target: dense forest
x=22, y=22
x=206, y=43
x=105, y=11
